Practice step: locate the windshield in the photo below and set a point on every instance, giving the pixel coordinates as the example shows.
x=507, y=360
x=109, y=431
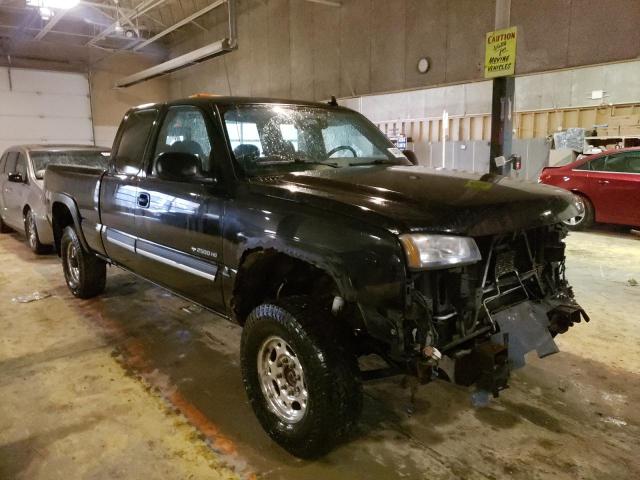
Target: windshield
x=276, y=139
x=87, y=158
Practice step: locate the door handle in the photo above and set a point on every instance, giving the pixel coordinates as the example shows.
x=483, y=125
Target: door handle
x=603, y=182
x=144, y=199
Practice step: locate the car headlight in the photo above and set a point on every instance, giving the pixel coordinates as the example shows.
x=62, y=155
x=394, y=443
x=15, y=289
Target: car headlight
x=425, y=251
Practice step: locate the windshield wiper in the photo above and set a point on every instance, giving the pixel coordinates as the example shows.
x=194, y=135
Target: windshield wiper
x=314, y=162
x=378, y=161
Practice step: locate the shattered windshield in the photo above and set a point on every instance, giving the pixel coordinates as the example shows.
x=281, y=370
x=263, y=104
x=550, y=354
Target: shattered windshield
x=276, y=139
x=86, y=158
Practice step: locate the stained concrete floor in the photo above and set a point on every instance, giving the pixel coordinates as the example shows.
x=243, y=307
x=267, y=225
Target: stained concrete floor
x=139, y=384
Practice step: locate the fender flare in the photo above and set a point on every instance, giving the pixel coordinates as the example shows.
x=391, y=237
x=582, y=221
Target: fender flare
x=322, y=262
x=71, y=205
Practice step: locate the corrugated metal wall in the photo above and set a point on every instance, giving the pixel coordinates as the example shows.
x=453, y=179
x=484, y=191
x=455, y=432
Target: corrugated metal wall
x=545, y=103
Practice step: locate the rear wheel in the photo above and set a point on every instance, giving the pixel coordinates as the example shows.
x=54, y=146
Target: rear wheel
x=302, y=381
x=31, y=231
x=585, y=218
x=86, y=274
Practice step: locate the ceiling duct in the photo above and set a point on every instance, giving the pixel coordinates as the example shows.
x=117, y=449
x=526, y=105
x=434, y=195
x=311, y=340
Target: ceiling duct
x=199, y=55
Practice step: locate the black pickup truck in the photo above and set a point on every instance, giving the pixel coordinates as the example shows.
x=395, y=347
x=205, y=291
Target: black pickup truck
x=302, y=223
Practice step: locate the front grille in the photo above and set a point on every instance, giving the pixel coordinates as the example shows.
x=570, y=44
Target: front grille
x=505, y=263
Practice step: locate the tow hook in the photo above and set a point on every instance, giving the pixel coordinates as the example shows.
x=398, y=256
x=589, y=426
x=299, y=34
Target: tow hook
x=563, y=317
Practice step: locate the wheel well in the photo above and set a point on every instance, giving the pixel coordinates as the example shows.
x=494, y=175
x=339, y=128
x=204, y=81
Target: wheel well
x=61, y=218
x=578, y=192
x=266, y=274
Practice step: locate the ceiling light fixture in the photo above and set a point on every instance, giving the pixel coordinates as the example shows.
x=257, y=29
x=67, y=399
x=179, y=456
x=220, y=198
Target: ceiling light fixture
x=53, y=4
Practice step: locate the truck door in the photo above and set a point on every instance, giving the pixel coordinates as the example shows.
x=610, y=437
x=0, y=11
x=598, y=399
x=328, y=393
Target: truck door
x=5, y=185
x=179, y=220
x=119, y=187
x=15, y=194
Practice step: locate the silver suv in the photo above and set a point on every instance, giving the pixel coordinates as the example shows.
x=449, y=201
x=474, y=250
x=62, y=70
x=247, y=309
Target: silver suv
x=21, y=186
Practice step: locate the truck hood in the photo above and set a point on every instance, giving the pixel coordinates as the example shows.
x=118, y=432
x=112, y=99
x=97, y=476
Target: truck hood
x=419, y=199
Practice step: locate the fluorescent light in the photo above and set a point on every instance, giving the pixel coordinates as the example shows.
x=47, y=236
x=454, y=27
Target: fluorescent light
x=53, y=4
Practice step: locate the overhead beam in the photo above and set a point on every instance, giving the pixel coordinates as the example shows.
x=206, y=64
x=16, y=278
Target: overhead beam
x=141, y=9
x=214, y=49
x=329, y=3
x=56, y=32
x=53, y=21
x=181, y=23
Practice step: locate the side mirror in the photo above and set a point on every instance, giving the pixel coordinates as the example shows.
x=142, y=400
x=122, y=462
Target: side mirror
x=15, y=178
x=411, y=156
x=178, y=166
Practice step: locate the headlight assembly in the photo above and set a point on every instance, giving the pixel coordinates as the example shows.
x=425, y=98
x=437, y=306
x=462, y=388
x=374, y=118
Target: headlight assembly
x=425, y=251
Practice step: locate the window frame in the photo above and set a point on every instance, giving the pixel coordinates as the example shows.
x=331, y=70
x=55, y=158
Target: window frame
x=151, y=156
x=25, y=174
x=145, y=151
x=13, y=154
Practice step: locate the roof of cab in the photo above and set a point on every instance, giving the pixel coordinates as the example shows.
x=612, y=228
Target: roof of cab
x=210, y=99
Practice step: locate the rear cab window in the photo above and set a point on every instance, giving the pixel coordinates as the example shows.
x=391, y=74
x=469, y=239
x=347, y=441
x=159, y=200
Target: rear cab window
x=129, y=154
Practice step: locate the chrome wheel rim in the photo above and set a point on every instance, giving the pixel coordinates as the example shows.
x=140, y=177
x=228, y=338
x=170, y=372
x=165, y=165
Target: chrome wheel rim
x=31, y=231
x=73, y=266
x=282, y=380
x=577, y=220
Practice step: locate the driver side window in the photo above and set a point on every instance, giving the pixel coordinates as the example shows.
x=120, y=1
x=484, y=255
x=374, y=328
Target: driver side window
x=184, y=130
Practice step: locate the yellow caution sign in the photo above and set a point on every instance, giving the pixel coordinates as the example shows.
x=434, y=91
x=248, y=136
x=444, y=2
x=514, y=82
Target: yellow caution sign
x=500, y=53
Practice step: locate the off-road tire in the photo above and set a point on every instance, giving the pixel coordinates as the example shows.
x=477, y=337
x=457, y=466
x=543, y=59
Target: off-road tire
x=588, y=218
x=91, y=276
x=330, y=368
x=31, y=231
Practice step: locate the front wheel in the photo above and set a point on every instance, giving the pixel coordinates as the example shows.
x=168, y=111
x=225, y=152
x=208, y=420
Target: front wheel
x=302, y=381
x=585, y=217
x=86, y=274
x=31, y=231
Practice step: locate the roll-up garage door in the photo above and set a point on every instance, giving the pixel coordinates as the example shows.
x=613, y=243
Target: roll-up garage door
x=38, y=106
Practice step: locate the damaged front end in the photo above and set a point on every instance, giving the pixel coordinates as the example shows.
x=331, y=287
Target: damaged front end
x=473, y=324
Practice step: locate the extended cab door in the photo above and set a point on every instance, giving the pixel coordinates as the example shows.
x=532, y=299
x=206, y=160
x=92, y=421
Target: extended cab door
x=119, y=187
x=179, y=220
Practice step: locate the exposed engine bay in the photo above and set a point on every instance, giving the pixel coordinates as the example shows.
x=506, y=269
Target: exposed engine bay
x=474, y=324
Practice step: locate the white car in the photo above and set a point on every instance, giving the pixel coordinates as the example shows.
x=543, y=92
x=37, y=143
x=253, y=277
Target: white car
x=21, y=186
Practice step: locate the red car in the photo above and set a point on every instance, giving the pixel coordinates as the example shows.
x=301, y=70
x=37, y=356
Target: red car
x=607, y=187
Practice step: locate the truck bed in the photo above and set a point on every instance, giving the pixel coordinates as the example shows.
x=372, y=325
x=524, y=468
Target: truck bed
x=82, y=186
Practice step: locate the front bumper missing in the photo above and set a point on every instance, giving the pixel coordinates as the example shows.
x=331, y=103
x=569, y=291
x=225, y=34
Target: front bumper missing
x=522, y=328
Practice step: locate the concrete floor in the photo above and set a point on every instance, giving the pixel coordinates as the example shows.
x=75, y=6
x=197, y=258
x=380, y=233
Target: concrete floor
x=138, y=384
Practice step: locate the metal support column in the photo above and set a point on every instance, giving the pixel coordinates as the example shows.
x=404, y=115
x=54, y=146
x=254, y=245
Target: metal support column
x=501, y=122
x=501, y=103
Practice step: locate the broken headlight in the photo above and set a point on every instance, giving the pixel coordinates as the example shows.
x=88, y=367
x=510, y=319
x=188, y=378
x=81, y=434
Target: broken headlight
x=426, y=251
